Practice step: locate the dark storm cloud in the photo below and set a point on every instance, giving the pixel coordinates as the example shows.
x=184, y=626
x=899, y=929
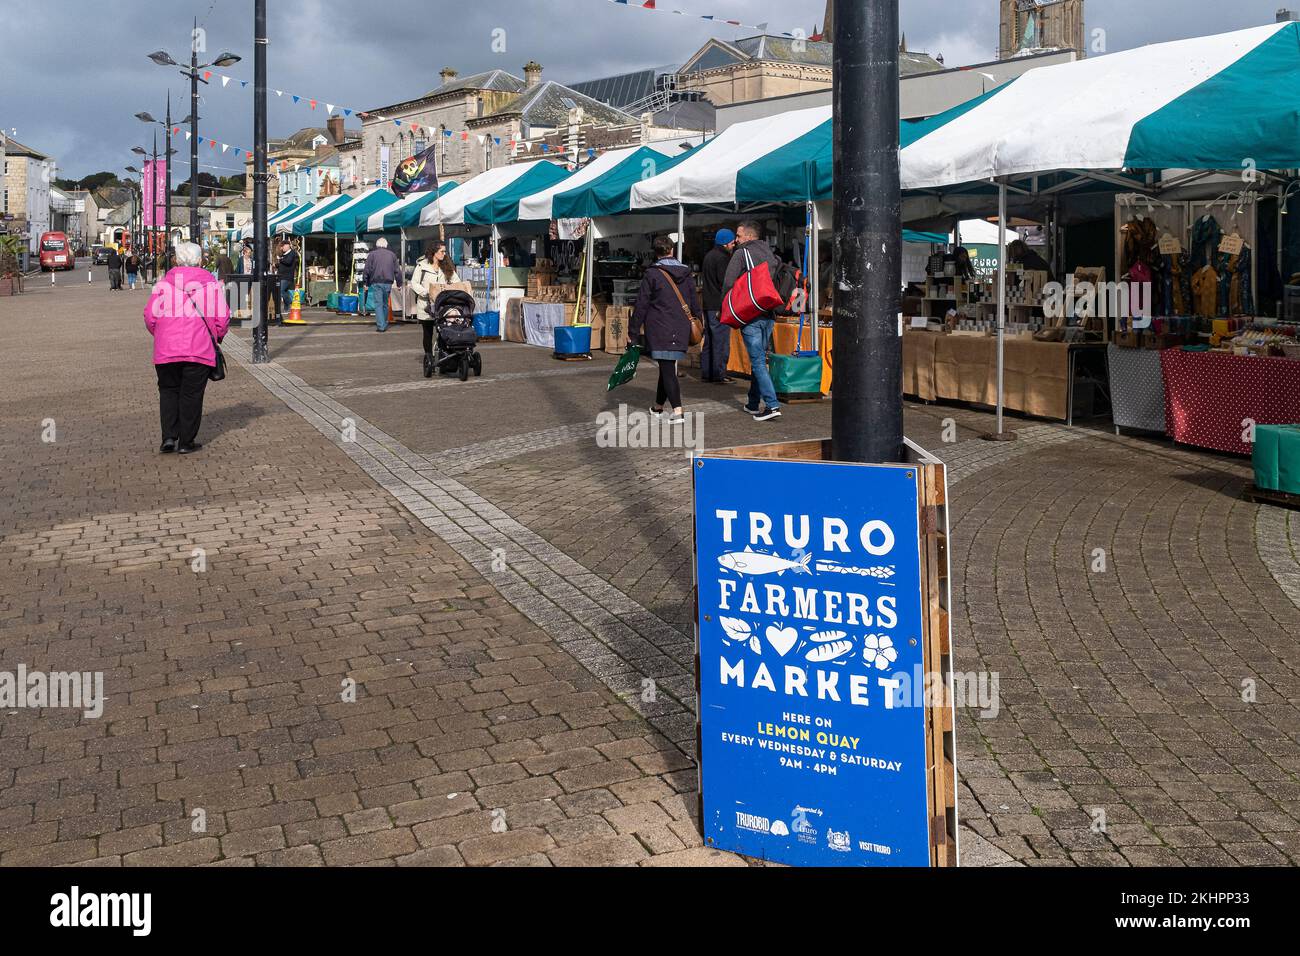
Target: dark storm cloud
x=74, y=73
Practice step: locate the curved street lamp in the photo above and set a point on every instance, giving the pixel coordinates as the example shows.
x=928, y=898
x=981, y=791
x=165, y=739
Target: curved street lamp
x=163, y=58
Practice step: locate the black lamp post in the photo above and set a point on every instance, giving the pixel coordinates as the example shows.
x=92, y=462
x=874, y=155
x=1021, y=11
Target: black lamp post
x=261, y=350
x=137, y=214
x=163, y=58
x=867, y=414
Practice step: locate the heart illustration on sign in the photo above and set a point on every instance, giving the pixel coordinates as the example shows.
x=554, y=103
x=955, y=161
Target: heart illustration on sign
x=782, y=639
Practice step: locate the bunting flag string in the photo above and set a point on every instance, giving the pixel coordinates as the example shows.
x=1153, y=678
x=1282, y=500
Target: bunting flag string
x=464, y=135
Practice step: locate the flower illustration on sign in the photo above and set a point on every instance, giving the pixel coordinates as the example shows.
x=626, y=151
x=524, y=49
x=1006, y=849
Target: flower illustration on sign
x=879, y=649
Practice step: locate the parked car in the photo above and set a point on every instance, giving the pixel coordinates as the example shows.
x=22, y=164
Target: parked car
x=99, y=255
x=56, y=253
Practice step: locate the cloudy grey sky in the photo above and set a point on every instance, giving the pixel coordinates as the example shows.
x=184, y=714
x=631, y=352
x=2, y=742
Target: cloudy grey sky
x=74, y=73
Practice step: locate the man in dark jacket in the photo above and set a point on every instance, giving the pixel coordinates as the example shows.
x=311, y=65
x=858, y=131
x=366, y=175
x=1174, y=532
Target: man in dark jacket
x=750, y=252
x=662, y=313
x=716, y=350
x=114, y=270
x=382, y=272
x=286, y=274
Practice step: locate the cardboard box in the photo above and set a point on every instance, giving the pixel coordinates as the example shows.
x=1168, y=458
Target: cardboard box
x=615, y=331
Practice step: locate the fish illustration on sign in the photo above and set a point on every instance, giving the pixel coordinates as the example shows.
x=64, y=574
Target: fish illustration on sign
x=757, y=563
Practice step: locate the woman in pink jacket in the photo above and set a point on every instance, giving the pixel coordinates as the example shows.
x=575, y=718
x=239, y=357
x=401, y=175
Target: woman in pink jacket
x=186, y=315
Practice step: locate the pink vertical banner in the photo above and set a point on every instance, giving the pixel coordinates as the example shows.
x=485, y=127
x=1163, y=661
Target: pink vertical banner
x=154, y=191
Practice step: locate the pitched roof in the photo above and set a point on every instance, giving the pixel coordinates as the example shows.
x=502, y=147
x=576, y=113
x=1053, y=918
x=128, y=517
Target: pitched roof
x=545, y=105
x=15, y=148
x=495, y=81
x=814, y=53
x=623, y=89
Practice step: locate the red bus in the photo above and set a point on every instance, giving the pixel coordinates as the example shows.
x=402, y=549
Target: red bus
x=56, y=253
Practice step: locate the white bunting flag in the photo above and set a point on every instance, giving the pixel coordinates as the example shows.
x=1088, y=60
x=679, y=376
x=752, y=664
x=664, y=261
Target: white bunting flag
x=225, y=81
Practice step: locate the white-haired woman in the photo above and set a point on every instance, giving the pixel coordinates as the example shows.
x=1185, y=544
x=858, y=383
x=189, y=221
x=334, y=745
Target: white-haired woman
x=186, y=315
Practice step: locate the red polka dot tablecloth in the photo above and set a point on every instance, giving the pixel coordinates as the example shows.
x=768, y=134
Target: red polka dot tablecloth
x=1210, y=397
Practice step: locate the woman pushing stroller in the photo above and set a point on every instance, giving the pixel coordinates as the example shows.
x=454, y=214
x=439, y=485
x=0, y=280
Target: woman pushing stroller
x=434, y=271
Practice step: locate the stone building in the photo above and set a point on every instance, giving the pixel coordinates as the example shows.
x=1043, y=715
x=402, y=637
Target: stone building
x=767, y=67
x=25, y=194
x=1032, y=26
x=299, y=149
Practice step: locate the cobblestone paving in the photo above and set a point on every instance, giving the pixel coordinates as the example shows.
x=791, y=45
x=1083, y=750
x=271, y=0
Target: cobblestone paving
x=474, y=739
x=504, y=602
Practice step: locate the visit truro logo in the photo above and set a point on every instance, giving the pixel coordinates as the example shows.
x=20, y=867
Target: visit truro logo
x=77, y=909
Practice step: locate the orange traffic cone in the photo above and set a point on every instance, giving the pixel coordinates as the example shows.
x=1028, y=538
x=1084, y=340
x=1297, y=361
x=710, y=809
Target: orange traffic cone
x=295, y=309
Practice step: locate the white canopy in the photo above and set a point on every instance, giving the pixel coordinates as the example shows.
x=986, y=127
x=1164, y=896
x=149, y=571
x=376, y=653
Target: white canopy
x=450, y=208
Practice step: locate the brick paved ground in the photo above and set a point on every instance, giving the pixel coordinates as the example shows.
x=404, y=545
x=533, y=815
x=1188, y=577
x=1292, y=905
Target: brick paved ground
x=499, y=587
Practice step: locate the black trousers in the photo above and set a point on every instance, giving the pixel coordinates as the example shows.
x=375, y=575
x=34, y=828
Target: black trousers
x=180, y=399
x=114, y=279
x=669, y=390
x=717, y=348
x=426, y=326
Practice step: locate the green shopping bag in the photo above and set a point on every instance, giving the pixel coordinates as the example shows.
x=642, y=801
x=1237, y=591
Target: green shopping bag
x=626, y=368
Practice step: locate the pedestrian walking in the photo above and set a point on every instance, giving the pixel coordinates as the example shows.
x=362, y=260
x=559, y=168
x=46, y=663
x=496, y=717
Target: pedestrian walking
x=661, y=320
x=750, y=252
x=716, y=350
x=187, y=316
x=131, y=265
x=286, y=273
x=382, y=271
x=433, y=271
x=114, y=270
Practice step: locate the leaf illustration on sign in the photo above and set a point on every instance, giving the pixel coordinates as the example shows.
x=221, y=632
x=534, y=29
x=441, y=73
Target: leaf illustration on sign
x=782, y=639
x=734, y=629
x=754, y=645
x=879, y=649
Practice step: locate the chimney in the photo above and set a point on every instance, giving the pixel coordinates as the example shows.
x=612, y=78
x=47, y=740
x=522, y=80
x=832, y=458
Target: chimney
x=532, y=74
x=1286, y=16
x=335, y=126
x=448, y=74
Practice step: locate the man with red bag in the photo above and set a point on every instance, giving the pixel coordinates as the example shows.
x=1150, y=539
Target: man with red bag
x=747, y=287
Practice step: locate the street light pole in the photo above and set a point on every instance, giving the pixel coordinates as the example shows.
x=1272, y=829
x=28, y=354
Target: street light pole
x=194, y=134
x=168, y=211
x=867, y=414
x=261, y=353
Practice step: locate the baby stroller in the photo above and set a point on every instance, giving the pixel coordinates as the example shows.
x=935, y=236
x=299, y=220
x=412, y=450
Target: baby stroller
x=452, y=316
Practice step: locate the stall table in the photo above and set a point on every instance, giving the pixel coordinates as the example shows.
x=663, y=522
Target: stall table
x=785, y=338
x=540, y=320
x=1038, y=377
x=1137, y=392
x=1211, y=397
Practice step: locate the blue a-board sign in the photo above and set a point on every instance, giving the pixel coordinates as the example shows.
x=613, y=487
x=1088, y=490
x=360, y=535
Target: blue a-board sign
x=812, y=742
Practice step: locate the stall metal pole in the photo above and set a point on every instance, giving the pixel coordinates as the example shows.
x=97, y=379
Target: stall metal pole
x=336, y=263
x=681, y=230
x=1002, y=292
x=867, y=414
x=405, y=317
x=814, y=273
x=591, y=265
x=492, y=268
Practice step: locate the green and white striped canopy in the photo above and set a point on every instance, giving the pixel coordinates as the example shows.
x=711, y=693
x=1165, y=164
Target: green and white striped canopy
x=247, y=231
x=1229, y=101
x=404, y=213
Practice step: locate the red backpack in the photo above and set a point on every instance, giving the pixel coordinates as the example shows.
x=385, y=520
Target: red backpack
x=753, y=296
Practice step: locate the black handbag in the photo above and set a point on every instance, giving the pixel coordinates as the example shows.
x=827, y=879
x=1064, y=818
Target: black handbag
x=218, y=371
